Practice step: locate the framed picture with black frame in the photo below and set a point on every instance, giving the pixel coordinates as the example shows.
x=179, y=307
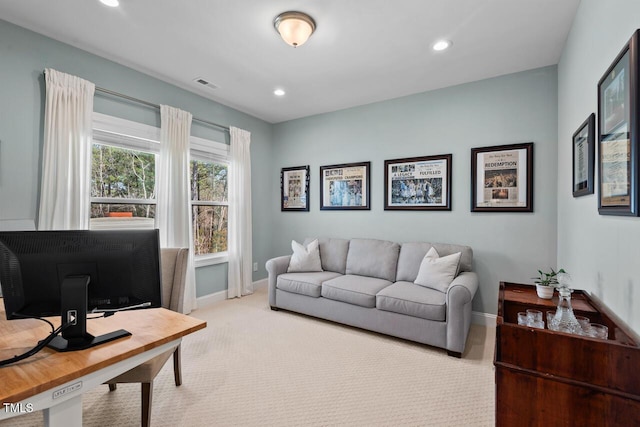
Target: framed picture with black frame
x=584, y=153
x=618, y=94
x=294, y=189
x=418, y=183
x=345, y=186
x=502, y=178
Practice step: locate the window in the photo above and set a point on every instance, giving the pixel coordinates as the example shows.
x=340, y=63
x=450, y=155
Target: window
x=123, y=193
x=122, y=188
x=210, y=206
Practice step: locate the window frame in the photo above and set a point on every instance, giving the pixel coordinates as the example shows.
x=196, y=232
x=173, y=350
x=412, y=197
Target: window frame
x=209, y=151
x=126, y=134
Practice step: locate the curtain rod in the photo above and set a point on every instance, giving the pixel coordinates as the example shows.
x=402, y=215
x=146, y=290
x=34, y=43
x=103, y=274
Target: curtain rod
x=152, y=105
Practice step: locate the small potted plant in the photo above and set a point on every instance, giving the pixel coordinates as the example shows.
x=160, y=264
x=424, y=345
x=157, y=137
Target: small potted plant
x=546, y=281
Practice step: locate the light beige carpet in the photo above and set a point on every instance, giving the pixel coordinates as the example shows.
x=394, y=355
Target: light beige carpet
x=255, y=367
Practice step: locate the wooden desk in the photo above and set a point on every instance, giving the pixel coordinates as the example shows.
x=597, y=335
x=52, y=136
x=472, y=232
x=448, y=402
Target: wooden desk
x=550, y=378
x=54, y=382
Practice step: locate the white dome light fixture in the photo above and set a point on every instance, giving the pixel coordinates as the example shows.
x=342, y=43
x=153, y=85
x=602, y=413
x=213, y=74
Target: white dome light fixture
x=110, y=3
x=279, y=92
x=441, y=45
x=295, y=28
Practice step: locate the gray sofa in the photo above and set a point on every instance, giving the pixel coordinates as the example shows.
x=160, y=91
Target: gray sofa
x=368, y=284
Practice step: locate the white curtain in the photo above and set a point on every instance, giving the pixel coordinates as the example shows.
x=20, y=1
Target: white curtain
x=173, y=211
x=240, y=231
x=66, y=158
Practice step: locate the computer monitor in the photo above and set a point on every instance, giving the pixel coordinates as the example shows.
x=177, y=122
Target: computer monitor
x=70, y=273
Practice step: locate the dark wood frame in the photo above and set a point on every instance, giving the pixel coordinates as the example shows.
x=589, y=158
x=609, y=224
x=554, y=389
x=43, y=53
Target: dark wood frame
x=424, y=207
x=528, y=163
x=626, y=128
x=367, y=190
x=284, y=208
x=585, y=187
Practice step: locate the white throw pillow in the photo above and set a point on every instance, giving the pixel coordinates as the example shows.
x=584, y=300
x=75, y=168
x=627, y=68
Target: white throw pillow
x=305, y=258
x=438, y=273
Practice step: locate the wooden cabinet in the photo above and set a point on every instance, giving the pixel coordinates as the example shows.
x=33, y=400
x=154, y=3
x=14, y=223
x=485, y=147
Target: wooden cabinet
x=549, y=378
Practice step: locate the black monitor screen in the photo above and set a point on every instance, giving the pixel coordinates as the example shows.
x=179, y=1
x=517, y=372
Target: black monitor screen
x=123, y=266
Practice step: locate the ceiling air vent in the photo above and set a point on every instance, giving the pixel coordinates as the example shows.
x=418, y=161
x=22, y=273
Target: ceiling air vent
x=206, y=83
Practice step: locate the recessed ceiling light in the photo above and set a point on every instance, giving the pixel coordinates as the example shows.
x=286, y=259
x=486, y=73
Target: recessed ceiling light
x=442, y=45
x=279, y=92
x=110, y=3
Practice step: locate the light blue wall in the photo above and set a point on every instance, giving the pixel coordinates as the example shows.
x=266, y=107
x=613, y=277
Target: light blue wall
x=211, y=279
x=23, y=57
x=510, y=109
x=600, y=251
x=514, y=108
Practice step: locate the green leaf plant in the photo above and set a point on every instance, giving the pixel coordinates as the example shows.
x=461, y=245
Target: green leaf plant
x=547, y=278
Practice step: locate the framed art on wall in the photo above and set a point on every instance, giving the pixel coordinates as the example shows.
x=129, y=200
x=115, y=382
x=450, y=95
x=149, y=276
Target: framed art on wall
x=584, y=150
x=502, y=178
x=345, y=187
x=294, y=189
x=418, y=183
x=618, y=93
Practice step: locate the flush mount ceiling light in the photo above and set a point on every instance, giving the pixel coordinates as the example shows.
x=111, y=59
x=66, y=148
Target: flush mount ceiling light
x=294, y=27
x=110, y=3
x=442, y=45
x=279, y=92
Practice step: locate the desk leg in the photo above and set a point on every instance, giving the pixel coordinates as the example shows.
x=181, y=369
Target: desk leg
x=67, y=413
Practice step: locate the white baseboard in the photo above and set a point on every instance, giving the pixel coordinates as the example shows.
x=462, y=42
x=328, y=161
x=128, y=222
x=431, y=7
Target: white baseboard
x=262, y=283
x=483, y=319
x=17, y=225
x=208, y=300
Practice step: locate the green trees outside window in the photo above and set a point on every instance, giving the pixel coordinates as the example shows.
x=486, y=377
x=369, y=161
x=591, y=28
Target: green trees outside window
x=123, y=195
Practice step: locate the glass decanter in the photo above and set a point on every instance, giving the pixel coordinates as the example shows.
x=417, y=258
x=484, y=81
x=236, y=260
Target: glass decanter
x=565, y=320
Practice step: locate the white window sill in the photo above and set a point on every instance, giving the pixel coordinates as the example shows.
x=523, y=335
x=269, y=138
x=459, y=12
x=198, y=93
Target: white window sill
x=212, y=259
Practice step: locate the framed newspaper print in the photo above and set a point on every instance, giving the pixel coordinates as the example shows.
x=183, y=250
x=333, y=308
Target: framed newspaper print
x=418, y=183
x=584, y=150
x=617, y=134
x=345, y=187
x=294, y=189
x=502, y=178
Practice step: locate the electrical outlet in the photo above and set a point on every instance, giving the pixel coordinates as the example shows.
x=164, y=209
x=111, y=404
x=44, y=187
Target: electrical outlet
x=255, y=266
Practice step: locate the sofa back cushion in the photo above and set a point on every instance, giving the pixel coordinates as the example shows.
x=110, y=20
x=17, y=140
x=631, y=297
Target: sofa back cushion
x=412, y=253
x=373, y=258
x=333, y=253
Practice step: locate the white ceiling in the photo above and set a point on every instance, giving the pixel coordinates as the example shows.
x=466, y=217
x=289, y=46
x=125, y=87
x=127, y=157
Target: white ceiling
x=363, y=51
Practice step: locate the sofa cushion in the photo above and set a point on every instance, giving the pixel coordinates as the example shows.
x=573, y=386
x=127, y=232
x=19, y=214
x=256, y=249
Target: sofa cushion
x=413, y=300
x=352, y=289
x=304, y=283
x=412, y=253
x=438, y=272
x=333, y=253
x=373, y=258
x=305, y=257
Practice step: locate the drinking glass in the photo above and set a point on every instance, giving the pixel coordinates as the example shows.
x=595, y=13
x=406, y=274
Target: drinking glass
x=522, y=318
x=585, y=324
x=536, y=324
x=599, y=331
x=551, y=315
x=534, y=316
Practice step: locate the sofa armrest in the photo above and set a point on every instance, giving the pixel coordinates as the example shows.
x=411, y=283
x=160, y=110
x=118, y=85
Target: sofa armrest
x=462, y=289
x=459, y=300
x=276, y=267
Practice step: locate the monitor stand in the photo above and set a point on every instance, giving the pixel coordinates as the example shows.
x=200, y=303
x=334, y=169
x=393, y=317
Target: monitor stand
x=73, y=309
